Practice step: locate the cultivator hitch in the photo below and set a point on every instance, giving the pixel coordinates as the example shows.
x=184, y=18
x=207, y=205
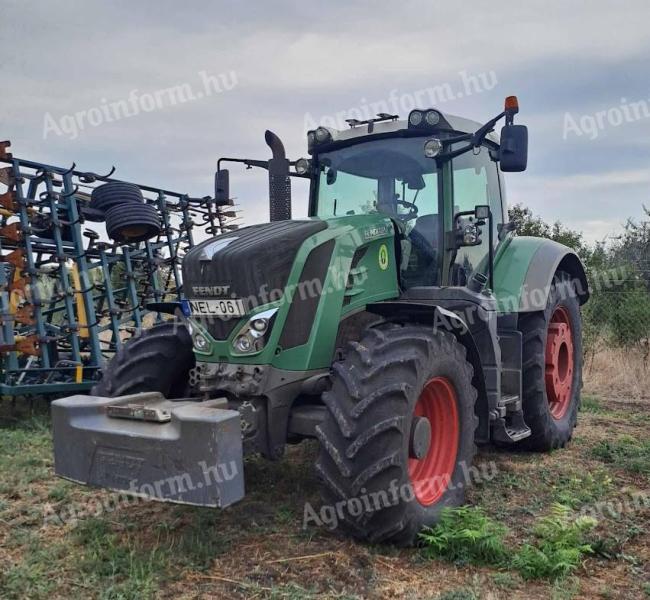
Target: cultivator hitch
x=70, y=294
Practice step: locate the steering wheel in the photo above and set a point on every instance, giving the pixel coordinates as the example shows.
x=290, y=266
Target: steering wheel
x=412, y=208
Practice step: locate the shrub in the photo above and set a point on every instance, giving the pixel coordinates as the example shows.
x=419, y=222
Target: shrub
x=559, y=547
x=466, y=535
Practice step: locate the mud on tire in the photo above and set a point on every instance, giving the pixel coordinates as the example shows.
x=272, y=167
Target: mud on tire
x=157, y=360
x=364, y=440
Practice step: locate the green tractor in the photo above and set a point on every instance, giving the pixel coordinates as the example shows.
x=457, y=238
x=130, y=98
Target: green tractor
x=401, y=325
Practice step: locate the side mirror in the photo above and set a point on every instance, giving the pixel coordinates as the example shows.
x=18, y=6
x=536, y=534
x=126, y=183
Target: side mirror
x=513, y=152
x=467, y=231
x=468, y=226
x=222, y=188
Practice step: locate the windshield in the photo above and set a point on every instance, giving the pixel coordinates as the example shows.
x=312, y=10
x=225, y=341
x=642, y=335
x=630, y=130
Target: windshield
x=391, y=176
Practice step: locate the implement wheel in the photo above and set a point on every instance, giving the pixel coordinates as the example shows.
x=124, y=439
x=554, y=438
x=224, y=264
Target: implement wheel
x=552, y=367
x=398, y=438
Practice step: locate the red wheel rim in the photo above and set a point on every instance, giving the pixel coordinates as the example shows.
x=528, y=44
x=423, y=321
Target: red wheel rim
x=430, y=476
x=559, y=362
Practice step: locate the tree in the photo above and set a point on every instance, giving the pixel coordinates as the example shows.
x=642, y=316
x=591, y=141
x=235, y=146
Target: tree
x=527, y=223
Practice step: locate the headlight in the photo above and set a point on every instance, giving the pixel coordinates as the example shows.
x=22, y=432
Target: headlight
x=432, y=117
x=201, y=343
x=322, y=135
x=302, y=166
x=415, y=118
x=311, y=138
x=244, y=344
x=252, y=337
x=432, y=148
x=260, y=325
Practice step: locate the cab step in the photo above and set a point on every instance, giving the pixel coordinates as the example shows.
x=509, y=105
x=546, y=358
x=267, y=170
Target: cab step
x=510, y=427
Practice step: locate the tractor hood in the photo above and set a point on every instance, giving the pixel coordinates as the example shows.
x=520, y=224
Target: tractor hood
x=310, y=273
x=249, y=263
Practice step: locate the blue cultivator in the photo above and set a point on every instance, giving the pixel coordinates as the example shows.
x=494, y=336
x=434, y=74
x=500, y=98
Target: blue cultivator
x=71, y=294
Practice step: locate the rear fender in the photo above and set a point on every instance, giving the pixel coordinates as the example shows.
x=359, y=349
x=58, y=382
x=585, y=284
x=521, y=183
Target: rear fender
x=525, y=269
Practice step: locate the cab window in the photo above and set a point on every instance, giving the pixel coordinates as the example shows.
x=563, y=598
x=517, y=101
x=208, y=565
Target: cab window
x=475, y=181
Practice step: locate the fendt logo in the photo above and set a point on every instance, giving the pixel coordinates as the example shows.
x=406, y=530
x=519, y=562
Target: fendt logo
x=210, y=290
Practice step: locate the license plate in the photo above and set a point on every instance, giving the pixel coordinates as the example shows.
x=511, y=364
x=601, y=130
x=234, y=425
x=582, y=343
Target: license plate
x=217, y=308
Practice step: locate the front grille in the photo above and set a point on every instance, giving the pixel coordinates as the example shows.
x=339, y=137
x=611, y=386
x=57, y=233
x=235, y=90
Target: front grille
x=254, y=262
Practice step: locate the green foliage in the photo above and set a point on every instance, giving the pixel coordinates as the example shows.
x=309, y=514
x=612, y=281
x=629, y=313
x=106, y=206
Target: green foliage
x=630, y=318
x=626, y=453
x=466, y=535
x=527, y=223
x=618, y=311
x=559, y=547
x=633, y=246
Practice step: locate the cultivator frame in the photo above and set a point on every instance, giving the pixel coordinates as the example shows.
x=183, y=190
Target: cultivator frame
x=69, y=296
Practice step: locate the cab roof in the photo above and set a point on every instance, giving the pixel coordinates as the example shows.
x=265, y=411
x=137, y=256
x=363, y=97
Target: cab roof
x=448, y=122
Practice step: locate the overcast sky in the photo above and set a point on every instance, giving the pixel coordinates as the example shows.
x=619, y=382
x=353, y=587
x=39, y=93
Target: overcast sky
x=577, y=68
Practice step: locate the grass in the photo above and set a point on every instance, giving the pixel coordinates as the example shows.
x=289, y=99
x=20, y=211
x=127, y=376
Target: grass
x=258, y=547
x=617, y=373
x=625, y=452
x=591, y=404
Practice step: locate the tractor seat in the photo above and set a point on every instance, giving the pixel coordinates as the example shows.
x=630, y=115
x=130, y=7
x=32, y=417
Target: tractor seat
x=422, y=267
x=427, y=227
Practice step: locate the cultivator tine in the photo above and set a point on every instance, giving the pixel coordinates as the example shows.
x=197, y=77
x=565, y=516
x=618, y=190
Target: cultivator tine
x=19, y=285
x=25, y=315
x=12, y=232
x=23, y=345
x=8, y=201
x=4, y=154
x=28, y=345
x=7, y=176
x=15, y=258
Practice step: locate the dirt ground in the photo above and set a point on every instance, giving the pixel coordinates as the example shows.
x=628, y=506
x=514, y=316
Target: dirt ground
x=259, y=548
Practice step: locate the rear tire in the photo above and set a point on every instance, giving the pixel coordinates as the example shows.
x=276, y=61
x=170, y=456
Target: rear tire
x=380, y=390
x=157, y=360
x=552, y=368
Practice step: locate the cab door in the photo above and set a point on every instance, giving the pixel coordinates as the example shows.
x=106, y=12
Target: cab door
x=472, y=179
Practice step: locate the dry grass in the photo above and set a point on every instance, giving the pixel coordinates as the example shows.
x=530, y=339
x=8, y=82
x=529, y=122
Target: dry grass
x=617, y=373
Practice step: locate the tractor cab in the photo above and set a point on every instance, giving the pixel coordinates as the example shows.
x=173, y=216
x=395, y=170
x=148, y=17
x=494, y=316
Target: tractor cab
x=393, y=172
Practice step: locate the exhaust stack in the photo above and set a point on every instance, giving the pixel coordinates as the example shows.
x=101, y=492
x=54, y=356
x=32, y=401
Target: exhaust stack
x=279, y=180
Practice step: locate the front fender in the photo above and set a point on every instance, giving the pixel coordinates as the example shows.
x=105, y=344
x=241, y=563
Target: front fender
x=524, y=272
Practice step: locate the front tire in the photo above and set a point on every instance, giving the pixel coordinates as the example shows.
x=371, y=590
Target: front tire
x=552, y=368
x=394, y=389
x=158, y=359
